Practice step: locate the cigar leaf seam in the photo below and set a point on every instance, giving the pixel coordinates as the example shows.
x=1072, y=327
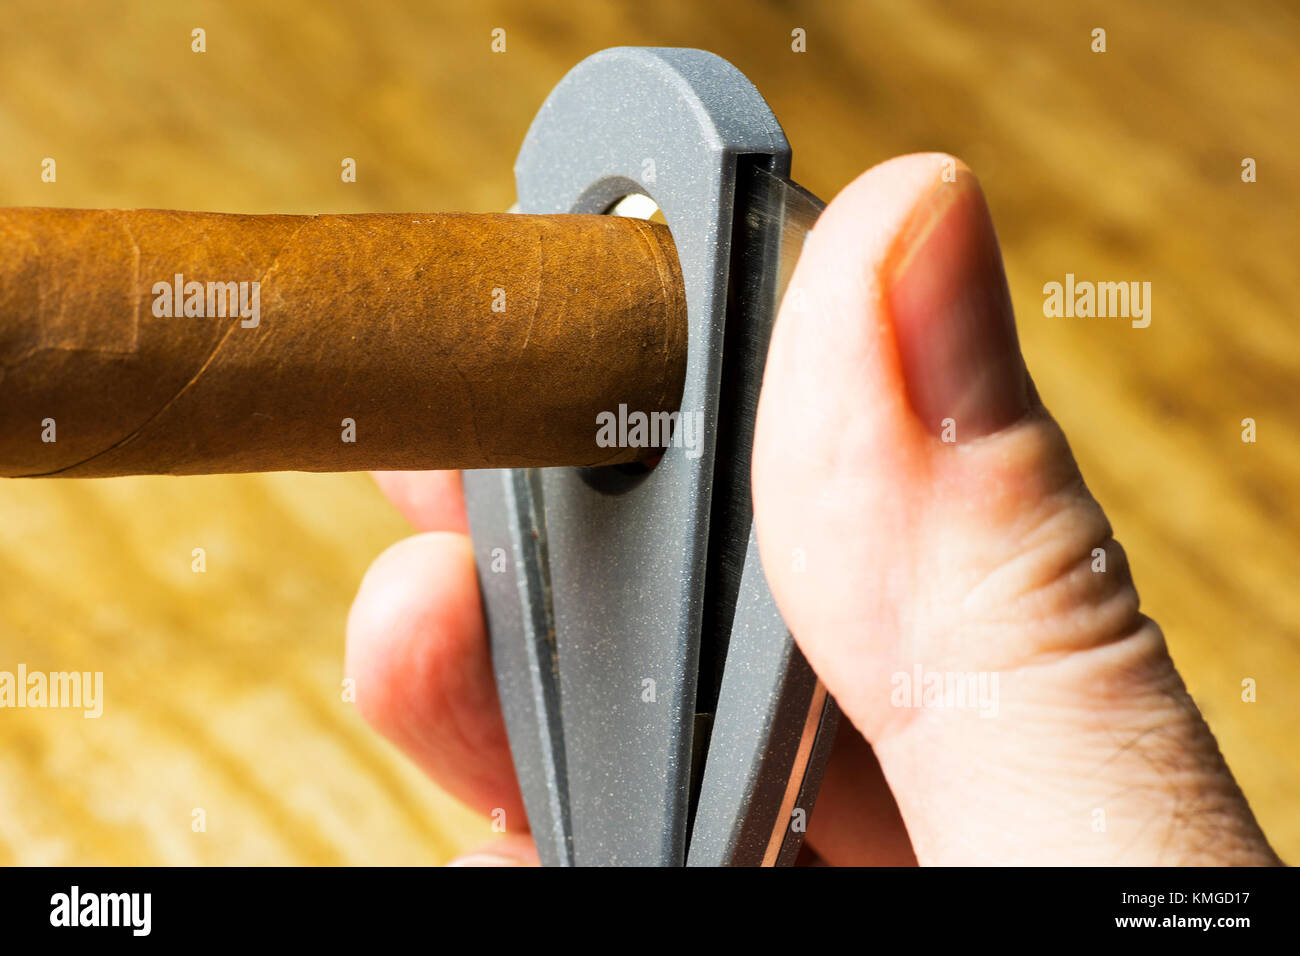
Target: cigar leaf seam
x=207, y=362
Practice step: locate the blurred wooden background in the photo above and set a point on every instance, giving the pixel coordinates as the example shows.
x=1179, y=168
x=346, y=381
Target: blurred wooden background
x=223, y=689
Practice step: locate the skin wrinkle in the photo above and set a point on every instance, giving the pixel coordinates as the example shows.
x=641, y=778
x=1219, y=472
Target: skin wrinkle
x=1047, y=559
x=1052, y=574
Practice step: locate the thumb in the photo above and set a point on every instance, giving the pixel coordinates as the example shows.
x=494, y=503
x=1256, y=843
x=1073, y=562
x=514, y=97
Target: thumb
x=941, y=563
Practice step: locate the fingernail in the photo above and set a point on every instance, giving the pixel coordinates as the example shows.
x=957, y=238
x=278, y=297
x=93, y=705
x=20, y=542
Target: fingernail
x=956, y=333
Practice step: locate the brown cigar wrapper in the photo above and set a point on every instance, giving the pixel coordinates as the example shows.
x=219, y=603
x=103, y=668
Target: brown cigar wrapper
x=386, y=320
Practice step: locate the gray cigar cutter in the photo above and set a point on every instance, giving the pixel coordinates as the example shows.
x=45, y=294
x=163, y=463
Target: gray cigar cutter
x=658, y=710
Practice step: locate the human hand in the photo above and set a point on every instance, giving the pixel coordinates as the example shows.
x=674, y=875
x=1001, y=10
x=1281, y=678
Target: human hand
x=917, y=557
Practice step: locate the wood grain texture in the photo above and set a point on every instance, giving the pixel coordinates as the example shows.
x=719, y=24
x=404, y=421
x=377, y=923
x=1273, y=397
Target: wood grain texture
x=223, y=689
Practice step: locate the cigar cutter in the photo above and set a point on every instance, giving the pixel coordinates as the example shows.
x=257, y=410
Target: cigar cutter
x=658, y=710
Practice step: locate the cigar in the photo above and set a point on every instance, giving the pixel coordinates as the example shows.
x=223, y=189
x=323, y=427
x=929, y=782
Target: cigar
x=156, y=342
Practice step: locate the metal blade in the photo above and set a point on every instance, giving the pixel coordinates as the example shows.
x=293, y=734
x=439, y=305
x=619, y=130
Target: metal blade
x=787, y=210
x=774, y=723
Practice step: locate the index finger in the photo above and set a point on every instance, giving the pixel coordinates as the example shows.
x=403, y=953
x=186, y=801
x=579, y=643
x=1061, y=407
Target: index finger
x=430, y=500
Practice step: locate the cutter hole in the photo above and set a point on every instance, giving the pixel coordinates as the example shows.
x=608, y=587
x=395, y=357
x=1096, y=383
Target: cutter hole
x=638, y=206
x=615, y=479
